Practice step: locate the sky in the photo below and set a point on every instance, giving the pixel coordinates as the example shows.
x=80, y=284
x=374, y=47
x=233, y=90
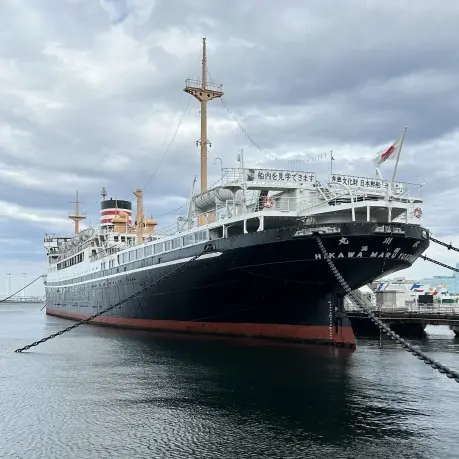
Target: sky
x=91, y=96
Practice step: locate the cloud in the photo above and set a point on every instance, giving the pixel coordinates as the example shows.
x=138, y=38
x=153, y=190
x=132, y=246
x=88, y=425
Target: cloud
x=92, y=94
x=120, y=10
x=41, y=217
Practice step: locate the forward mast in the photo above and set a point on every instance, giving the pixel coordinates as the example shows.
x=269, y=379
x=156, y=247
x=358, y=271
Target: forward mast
x=203, y=92
x=76, y=217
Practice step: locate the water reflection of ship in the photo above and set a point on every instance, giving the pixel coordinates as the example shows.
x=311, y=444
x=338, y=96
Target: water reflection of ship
x=310, y=394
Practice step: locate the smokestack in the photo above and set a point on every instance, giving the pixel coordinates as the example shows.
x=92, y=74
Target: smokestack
x=110, y=208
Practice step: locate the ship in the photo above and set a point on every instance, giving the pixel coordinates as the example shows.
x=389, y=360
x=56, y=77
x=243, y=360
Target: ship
x=260, y=271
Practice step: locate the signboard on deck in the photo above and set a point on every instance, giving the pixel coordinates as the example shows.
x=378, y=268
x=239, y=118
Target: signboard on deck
x=365, y=183
x=279, y=177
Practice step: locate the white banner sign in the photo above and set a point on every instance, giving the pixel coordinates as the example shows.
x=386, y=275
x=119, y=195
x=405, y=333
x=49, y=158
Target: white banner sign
x=279, y=176
x=365, y=182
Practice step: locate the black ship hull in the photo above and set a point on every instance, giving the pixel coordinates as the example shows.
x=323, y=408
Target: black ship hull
x=272, y=284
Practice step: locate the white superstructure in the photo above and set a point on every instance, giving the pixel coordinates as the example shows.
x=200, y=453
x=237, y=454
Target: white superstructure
x=245, y=200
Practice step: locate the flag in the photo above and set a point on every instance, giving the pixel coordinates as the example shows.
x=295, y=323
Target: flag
x=417, y=287
x=389, y=153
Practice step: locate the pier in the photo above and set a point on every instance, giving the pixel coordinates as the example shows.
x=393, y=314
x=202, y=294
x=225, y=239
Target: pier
x=410, y=319
x=21, y=299
x=20, y=296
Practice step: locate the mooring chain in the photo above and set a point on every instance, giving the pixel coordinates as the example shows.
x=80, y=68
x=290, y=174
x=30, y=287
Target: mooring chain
x=444, y=244
x=382, y=326
x=208, y=248
x=23, y=288
x=439, y=263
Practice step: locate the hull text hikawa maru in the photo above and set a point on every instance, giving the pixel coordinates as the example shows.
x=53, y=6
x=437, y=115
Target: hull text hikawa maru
x=266, y=276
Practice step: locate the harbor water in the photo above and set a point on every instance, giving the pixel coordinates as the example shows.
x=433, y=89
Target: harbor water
x=100, y=393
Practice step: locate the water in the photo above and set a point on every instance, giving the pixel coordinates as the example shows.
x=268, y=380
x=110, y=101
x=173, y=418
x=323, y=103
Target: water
x=102, y=393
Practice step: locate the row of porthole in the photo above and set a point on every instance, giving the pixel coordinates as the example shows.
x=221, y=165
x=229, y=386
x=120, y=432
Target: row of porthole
x=70, y=288
x=82, y=278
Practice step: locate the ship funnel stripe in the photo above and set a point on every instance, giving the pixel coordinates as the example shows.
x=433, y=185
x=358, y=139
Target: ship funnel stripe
x=115, y=211
x=110, y=217
x=108, y=221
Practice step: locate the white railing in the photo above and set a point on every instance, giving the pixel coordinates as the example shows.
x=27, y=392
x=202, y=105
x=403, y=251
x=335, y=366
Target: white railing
x=410, y=308
x=221, y=213
x=372, y=186
x=360, y=186
x=361, y=194
x=275, y=203
x=198, y=84
x=22, y=299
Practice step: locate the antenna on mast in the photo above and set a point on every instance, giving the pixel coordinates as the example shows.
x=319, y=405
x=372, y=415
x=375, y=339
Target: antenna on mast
x=204, y=92
x=103, y=193
x=76, y=217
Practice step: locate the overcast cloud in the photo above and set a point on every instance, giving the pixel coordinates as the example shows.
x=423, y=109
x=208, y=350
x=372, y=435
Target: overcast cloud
x=91, y=93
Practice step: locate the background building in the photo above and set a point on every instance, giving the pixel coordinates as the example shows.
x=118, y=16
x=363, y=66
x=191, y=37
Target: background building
x=450, y=283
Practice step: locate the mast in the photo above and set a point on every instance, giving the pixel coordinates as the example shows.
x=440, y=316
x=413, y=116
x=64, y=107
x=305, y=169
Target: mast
x=139, y=218
x=76, y=217
x=203, y=92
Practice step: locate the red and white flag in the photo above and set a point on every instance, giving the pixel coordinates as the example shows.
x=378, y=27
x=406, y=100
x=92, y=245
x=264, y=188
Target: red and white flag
x=389, y=153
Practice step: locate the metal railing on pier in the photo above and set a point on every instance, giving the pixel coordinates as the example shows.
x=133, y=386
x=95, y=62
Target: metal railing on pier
x=421, y=309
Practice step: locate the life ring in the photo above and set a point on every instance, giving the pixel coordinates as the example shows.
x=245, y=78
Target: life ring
x=417, y=212
x=268, y=202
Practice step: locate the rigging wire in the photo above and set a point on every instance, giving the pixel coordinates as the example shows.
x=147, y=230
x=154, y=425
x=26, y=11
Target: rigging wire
x=233, y=117
x=184, y=205
x=23, y=288
x=251, y=140
x=256, y=145
x=170, y=143
x=170, y=211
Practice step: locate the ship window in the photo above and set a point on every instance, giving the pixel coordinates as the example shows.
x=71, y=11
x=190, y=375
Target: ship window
x=159, y=247
x=102, y=266
x=188, y=239
x=132, y=255
x=139, y=254
x=116, y=238
x=201, y=236
x=123, y=239
x=167, y=245
x=175, y=243
x=148, y=250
